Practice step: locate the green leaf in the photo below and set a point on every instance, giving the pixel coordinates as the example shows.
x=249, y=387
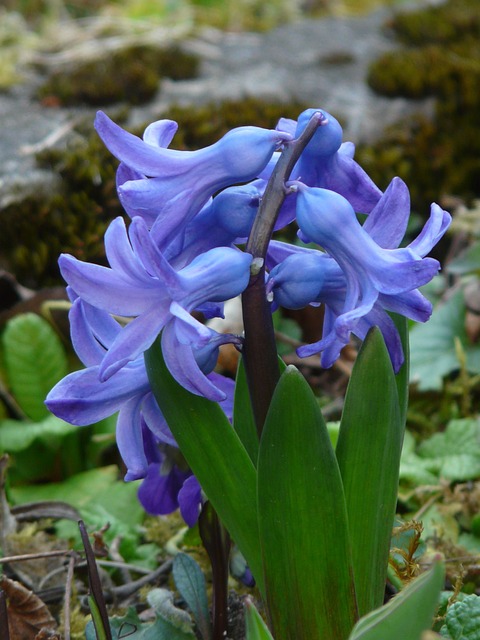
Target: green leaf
x=100, y=497
x=190, y=582
x=161, y=600
x=463, y=620
x=37, y=448
x=433, y=354
x=101, y=633
x=467, y=262
x=255, y=627
x=408, y=614
x=414, y=470
x=243, y=420
x=303, y=520
x=17, y=436
x=215, y=454
x=455, y=453
x=35, y=361
x=368, y=453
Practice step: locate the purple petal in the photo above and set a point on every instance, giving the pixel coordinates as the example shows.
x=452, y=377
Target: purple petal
x=133, y=340
x=181, y=363
x=158, y=492
x=387, y=222
x=130, y=441
x=155, y=421
x=160, y=133
x=434, y=229
x=104, y=288
x=120, y=253
x=190, y=500
x=82, y=400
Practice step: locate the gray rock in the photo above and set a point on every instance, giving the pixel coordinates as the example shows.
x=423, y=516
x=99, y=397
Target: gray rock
x=320, y=62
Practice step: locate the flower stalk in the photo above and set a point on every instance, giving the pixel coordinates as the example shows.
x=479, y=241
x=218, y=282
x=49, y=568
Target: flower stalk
x=259, y=348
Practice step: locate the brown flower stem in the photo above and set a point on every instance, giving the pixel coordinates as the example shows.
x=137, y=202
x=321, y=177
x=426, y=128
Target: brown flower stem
x=259, y=349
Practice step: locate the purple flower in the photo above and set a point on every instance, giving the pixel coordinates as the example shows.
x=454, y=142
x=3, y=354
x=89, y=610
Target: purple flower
x=329, y=164
x=363, y=274
x=144, y=440
x=168, y=187
x=142, y=285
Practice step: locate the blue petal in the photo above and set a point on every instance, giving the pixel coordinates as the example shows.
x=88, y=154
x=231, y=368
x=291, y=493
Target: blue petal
x=130, y=441
x=387, y=222
x=82, y=400
x=181, y=363
x=104, y=288
x=133, y=340
x=190, y=500
x=155, y=421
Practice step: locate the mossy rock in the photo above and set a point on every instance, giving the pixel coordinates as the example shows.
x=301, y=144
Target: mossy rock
x=437, y=156
x=130, y=75
x=445, y=23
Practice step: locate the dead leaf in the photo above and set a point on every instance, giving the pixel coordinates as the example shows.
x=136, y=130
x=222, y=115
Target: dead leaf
x=27, y=614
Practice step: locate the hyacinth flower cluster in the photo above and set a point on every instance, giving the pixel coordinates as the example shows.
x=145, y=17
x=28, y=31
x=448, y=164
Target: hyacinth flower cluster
x=182, y=256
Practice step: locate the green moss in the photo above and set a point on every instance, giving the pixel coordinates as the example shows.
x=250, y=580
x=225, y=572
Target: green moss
x=438, y=156
x=130, y=75
x=445, y=23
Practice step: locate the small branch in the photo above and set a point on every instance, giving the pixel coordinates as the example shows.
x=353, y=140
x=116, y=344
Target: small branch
x=68, y=597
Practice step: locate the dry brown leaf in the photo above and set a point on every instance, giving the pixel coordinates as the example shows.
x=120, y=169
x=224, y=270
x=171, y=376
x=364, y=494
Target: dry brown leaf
x=27, y=614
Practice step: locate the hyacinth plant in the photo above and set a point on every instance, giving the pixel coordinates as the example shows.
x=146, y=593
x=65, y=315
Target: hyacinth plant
x=251, y=460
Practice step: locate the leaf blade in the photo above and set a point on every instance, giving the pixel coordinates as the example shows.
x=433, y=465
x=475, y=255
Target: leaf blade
x=302, y=519
x=368, y=453
x=204, y=436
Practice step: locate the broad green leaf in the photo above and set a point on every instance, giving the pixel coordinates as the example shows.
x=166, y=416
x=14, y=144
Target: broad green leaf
x=190, y=582
x=368, y=453
x=38, y=448
x=97, y=493
x=131, y=627
x=467, y=262
x=408, y=614
x=414, y=470
x=161, y=600
x=255, y=627
x=432, y=345
x=243, y=420
x=455, y=453
x=17, y=436
x=35, y=361
x=303, y=520
x=463, y=620
x=215, y=454
x=161, y=629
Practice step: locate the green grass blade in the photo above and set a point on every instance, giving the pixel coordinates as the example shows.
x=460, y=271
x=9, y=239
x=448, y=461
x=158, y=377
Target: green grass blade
x=408, y=614
x=215, y=454
x=255, y=627
x=368, y=452
x=303, y=520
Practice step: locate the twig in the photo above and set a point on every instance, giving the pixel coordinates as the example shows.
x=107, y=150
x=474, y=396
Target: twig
x=35, y=556
x=126, y=590
x=68, y=596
